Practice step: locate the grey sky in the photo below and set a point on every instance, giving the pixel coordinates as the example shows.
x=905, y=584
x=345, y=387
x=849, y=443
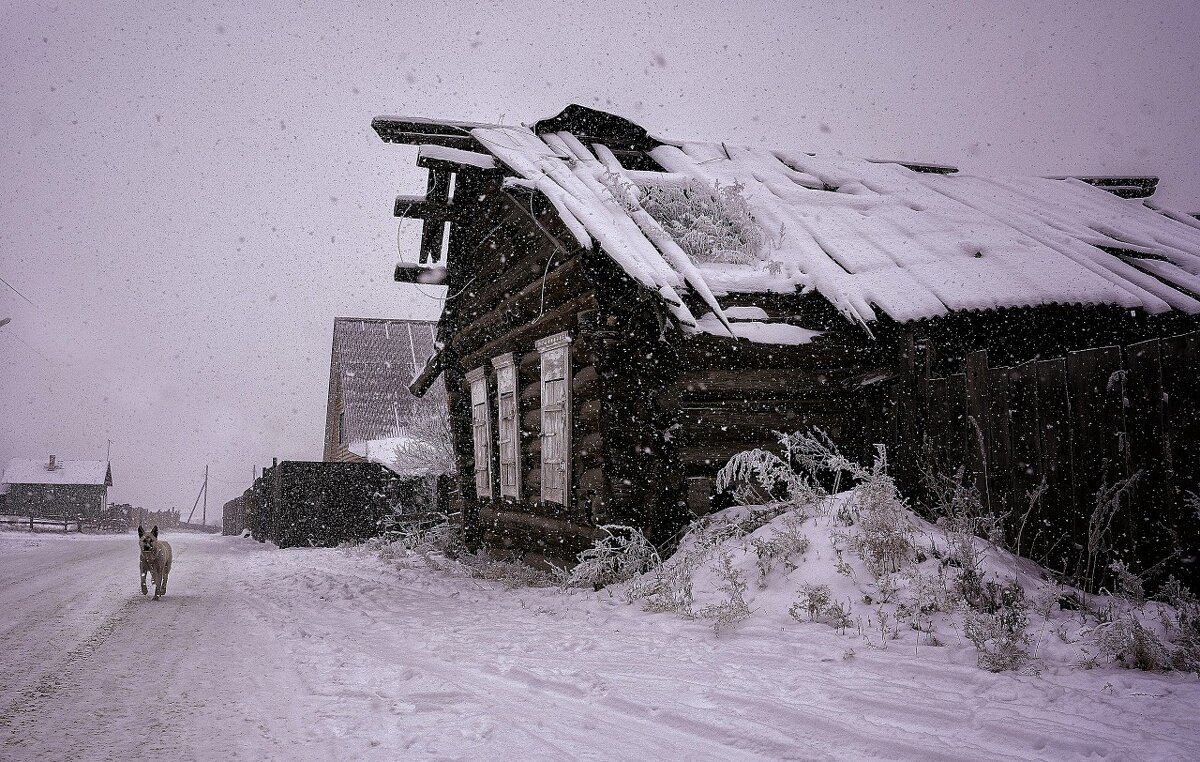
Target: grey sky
x=190, y=192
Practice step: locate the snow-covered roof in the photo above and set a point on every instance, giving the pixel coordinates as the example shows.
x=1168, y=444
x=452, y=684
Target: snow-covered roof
x=397, y=454
x=871, y=237
x=375, y=360
x=22, y=471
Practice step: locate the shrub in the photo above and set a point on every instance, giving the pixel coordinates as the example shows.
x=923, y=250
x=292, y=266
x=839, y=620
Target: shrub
x=734, y=609
x=620, y=555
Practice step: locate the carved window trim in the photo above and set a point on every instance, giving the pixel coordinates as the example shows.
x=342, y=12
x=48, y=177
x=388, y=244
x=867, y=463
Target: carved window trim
x=481, y=432
x=555, y=388
x=508, y=425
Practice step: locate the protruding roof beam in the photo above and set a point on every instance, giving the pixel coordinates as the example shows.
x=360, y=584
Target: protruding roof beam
x=919, y=166
x=407, y=272
x=412, y=130
x=1123, y=187
x=422, y=208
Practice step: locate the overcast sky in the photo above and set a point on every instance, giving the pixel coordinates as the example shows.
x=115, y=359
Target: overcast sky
x=190, y=192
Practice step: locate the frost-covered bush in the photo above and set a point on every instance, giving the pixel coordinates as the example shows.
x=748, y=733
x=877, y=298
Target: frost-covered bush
x=816, y=601
x=712, y=223
x=427, y=447
x=734, y=608
x=1126, y=642
x=439, y=544
x=780, y=547
x=620, y=555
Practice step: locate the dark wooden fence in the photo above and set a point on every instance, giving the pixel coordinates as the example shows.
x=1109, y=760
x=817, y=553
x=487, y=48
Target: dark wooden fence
x=1080, y=425
x=44, y=525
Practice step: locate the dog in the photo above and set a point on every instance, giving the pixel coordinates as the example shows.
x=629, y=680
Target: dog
x=156, y=559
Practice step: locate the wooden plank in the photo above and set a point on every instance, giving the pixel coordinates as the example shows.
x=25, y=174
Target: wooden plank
x=1148, y=451
x=1025, y=458
x=1095, y=425
x=421, y=208
x=975, y=397
x=999, y=439
x=1054, y=417
x=1181, y=390
x=938, y=426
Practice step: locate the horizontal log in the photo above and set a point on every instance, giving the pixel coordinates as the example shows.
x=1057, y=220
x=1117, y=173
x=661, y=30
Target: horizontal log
x=531, y=393
x=589, y=451
x=532, y=420
x=745, y=385
x=594, y=480
x=520, y=269
x=508, y=307
x=407, y=272
x=551, y=530
x=586, y=382
x=421, y=131
x=558, y=319
x=751, y=431
x=457, y=161
x=421, y=208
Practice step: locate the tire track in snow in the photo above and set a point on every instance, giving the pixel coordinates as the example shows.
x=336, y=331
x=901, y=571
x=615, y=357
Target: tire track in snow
x=60, y=676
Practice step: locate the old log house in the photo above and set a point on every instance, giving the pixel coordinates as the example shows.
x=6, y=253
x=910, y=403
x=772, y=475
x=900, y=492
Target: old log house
x=600, y=369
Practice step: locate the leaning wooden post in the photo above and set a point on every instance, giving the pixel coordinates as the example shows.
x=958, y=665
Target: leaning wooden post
x=976, y=390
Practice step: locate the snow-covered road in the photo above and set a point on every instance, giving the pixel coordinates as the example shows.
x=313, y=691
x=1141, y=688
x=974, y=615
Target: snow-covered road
x=258, y=653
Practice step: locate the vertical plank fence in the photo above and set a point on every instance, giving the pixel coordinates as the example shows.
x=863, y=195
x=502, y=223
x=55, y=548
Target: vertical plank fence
x=1079, y=425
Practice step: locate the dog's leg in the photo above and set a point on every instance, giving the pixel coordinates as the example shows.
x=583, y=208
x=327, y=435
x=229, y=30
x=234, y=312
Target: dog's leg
x=154, y=574
x=166, y=575
x=144, y=590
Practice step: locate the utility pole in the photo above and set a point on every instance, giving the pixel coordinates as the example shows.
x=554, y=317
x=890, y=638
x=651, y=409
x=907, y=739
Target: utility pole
x=204, y=514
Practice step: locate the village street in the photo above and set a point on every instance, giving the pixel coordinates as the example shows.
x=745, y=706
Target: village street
x=258, y=653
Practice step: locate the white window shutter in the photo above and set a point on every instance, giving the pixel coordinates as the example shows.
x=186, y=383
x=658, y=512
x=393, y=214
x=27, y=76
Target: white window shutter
x=509, y=425
x=555, y=354
x=481, y=431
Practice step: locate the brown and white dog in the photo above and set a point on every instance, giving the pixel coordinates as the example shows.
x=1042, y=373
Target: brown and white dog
x=156, y=559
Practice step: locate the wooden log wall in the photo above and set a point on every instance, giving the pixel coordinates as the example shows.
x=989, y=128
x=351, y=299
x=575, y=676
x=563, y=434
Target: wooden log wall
x=516, y=282
x=1079, y=423
x=733, y=396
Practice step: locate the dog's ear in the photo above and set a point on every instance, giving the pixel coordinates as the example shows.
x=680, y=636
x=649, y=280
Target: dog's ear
x=141, y=532
x=154, y=531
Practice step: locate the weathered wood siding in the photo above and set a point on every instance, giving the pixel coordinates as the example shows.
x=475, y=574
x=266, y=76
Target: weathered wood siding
x=1079, y=423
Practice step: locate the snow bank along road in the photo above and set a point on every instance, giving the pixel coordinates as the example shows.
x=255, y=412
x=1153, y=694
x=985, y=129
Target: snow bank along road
x=258, y=653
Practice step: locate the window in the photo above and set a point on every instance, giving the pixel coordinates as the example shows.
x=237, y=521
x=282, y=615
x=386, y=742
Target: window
x=555, y=354
x=509, y=429
x=481, y=433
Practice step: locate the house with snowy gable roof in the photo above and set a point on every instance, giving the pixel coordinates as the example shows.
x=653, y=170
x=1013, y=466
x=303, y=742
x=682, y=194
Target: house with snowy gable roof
x=626, y=312
x=74, y=490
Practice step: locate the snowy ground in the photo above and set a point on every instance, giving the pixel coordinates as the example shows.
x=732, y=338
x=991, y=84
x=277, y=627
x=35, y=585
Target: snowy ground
x=258, y=653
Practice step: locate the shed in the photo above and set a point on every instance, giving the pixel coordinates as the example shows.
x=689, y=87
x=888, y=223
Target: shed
x=626, y=312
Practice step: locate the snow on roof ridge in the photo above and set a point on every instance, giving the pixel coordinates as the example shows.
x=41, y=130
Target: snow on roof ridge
x=874, y=236
x=29, y=471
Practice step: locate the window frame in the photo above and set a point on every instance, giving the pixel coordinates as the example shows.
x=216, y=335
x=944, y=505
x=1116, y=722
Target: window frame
x=508, y=429
x=555, y=366
x=481, y=420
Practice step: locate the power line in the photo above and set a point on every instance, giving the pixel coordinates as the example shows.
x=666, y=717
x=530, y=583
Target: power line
x=18, y=293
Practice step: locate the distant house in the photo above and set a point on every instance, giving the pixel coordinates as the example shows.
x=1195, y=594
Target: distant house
x=58, y=489
x=630, y=311
x=370, y=408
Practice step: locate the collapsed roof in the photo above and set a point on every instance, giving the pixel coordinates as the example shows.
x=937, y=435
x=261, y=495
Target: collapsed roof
x=908, y=241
